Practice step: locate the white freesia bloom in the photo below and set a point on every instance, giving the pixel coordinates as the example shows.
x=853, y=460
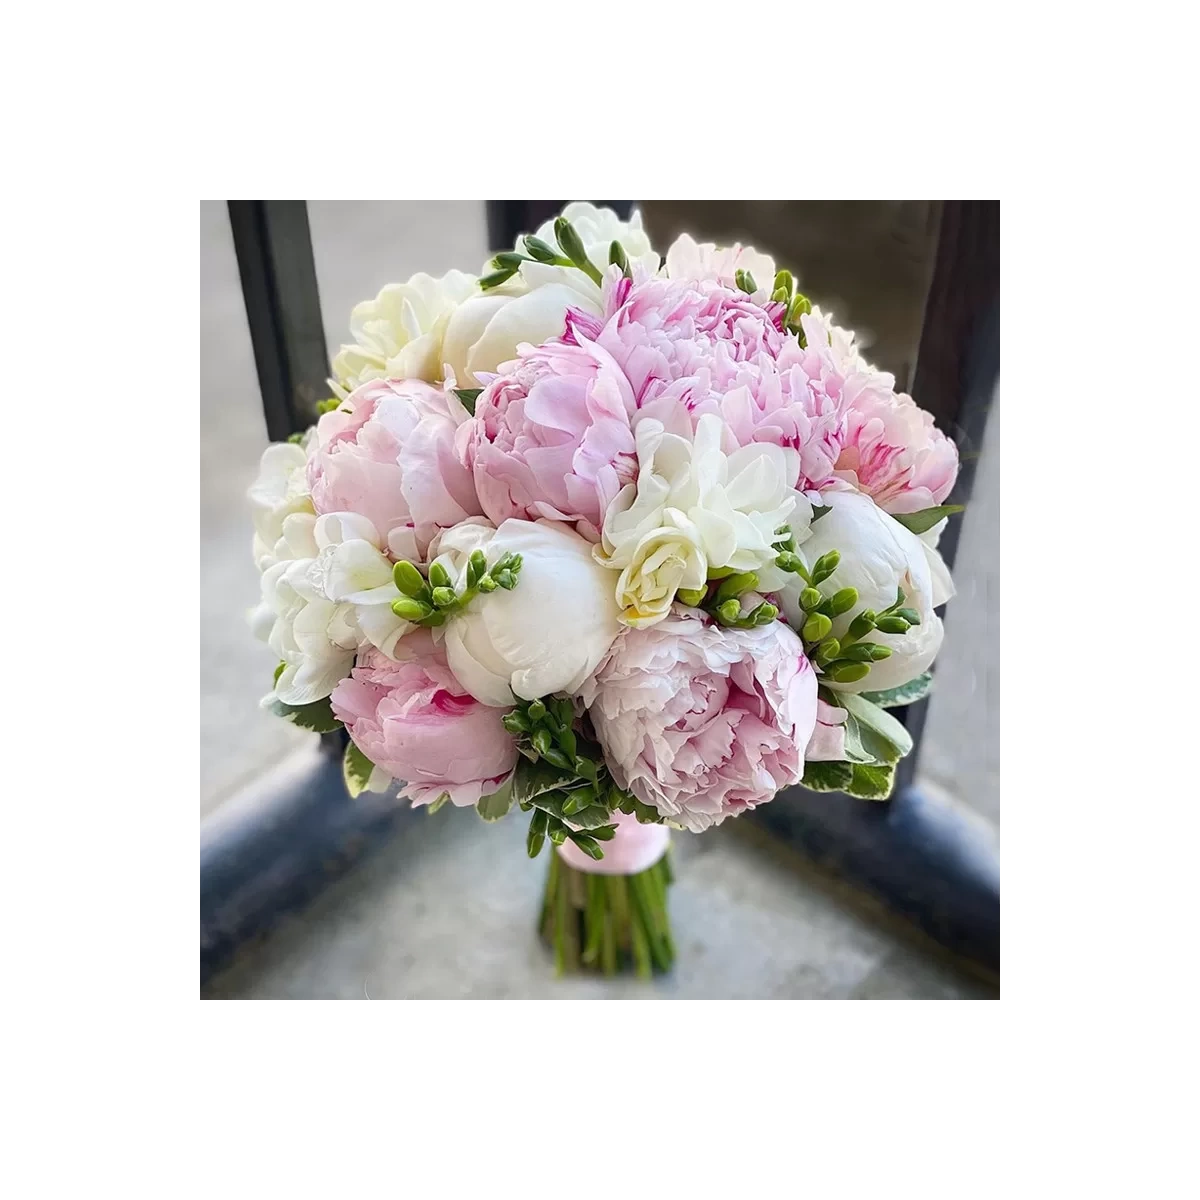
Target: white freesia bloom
x=878, y=556
x=486, y=329
x=280, y=490
x=315, y=638
x=329, y=592
x=689, y=259
x=398, y=335
x=546, y=635
x=694, y=508
x=352, y=569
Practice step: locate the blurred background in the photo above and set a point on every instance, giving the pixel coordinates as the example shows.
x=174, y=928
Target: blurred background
x=446, y=908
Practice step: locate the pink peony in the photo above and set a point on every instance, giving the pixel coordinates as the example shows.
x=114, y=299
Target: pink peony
x=892, y=451
x=551, y=436
x=704, y=722
x=828, y=741
x=684, y=343
x=696, y=347
x=388, y=454
x=412, y=719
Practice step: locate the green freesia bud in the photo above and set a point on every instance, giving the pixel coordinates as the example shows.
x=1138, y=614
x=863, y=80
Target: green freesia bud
x=537, y=249
x=409, y=609
x=878, y=652
x=506, y=579
x=800, y=306
x=892, y=625
x=434, y=619
x=790, y=561
x=847, y=672
x=487, y=584
x=863, y=624
x=509, y=260
x=784, y=280
x=735, y=585
x=444, y=597
x=828, y=650
x=476, y=567
x=573, y=247
x=692, y=597
x=825, y=566
x=729, y=612
x=842, y=601
x=861, y=652
x=439, y=577
x=780, y=296
x=408, y=579
x=909, y=614
x=515, y=562
x=816, y=627
x=764, y=614
x=515, y=721
x=809, y=599
x=618, y=257
x=537, y=710
x=745, y=281
x=495, y=279
x=565, y=738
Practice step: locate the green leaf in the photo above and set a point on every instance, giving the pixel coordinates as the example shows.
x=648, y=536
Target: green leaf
x=496, y=806
x=356, y=770
x=317, y=716
x=442, y=800
x=871, y=782
x=533, y=779
x=891, y=741
x=927, y=518
x=827, y=776
x=906, y=693
x=468, y=396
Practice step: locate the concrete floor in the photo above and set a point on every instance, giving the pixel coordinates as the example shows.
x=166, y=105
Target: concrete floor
x=447, y=908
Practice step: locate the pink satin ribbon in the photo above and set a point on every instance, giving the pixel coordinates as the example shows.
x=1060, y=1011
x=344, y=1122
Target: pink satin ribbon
x=635, y=848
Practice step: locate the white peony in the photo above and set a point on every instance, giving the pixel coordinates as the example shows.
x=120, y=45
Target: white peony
x=546, y=635
x=878, y=556
x=692, y=509
x=280, y=490
x=398, y=335
x=486, y=329
x=689, y=259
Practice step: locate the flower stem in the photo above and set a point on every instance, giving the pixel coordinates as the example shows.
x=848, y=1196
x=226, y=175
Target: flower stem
x=608, y=923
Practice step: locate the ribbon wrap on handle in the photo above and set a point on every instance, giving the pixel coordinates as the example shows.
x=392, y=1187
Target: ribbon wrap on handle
x=635, y=848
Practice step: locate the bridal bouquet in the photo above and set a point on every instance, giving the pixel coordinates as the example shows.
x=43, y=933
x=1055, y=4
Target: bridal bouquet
x=629, y=543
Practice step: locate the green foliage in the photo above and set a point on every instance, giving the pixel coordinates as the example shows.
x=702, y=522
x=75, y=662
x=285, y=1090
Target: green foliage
x=317, y=716
x=906, y=693
x=356, y=770
x=468, y=396
x=827, y=776
x=496, y=806
x=871, y=781
x=927, y=518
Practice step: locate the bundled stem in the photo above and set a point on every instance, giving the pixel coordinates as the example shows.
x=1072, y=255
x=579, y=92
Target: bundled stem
x=608, y=923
